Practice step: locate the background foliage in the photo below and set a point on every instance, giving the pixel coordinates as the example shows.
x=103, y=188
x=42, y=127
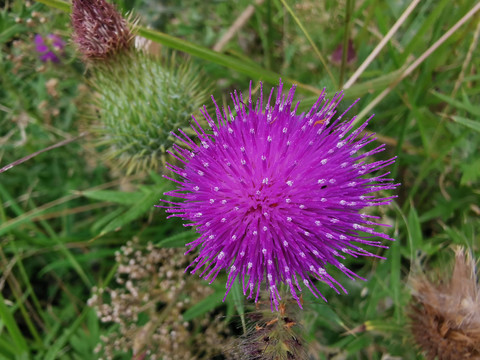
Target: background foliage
x=65, y=213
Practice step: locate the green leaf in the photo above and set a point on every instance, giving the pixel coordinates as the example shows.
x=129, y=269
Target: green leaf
x=414, y=229
x=118, y=197
x=475, y=110
x=142, y=205
x=102, y=221
x=204, y=306
x=238, y=301
x=83, y=258
x=470, y=172
x=178, y=240
x=472, y=124
x=359, y=343
x=7, y=318
x=57, y=346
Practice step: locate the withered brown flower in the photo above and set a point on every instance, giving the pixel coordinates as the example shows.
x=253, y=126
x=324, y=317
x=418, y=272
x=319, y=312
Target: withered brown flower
x=445, y=315
x=100, y=31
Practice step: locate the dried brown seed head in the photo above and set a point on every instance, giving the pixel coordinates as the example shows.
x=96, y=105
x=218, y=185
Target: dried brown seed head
x=100, y=31
x=445, y=316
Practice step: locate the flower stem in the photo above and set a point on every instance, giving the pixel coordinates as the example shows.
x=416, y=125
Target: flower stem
x=348, y=16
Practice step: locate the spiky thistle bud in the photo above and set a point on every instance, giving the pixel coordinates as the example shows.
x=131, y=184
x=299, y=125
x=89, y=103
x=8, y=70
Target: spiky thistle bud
x=445, y=316
x=141, y=98
x=271, y=335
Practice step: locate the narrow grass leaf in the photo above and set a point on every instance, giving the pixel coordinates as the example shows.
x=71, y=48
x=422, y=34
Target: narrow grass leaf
x=467, y=106
x=7, y=318
x=421, y=25
x=177, y=240
x=7, y=350
x=238, y=300
x=83, y=258
x=102, y=221
x=395, y=275
x=118, y=197
x=472, y=124
x=141, y=206
x=32, y=214
x=204, y=306
x=414, y=229
x=359, y=343
x=57, y=346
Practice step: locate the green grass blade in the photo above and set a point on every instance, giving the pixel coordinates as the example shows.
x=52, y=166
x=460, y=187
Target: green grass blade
x=142, y=205
x=7, y=318
x=475, y=110
x=57, y=346
x=203, y=306
x=238, y=300
x=309, y=38
x=29, y=215
x=117, y=197
x=472, y=124
x=7, y=350
x=177, y=240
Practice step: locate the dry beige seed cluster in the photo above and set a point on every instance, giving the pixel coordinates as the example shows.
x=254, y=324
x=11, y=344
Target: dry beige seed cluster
x=147, y=305
x=445, y=315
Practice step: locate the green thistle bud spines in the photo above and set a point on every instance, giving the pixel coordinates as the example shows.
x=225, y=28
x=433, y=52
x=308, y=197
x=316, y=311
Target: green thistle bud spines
x=99, y=30
x=141, y=101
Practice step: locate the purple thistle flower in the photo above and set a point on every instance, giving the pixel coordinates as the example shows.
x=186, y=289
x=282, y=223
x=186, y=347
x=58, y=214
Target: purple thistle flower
x=276, y=196
x=49, y=47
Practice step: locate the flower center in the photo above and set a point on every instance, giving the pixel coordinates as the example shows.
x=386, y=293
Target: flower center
x=260, y=200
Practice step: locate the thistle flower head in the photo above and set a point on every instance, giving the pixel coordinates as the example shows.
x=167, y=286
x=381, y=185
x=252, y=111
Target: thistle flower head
x=276, y=196
x=445, y=316
x=49, y=47
x=100, y=31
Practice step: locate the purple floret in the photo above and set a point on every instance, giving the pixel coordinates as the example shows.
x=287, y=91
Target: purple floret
x=277, y=196
x=46, y=52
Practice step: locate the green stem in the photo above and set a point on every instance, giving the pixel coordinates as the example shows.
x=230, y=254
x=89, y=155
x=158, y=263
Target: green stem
x=348, y=16
x=307, y=35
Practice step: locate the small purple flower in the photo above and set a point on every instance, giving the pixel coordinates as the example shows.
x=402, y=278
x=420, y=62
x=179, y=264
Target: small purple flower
x=337, y=55
x=49, y=47
x=276, y=196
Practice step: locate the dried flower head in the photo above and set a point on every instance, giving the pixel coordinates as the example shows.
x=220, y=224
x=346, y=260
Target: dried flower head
x=276, y=196
x=49, y=47
x=445, y=316
x=271, y=335
x=100, y=31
